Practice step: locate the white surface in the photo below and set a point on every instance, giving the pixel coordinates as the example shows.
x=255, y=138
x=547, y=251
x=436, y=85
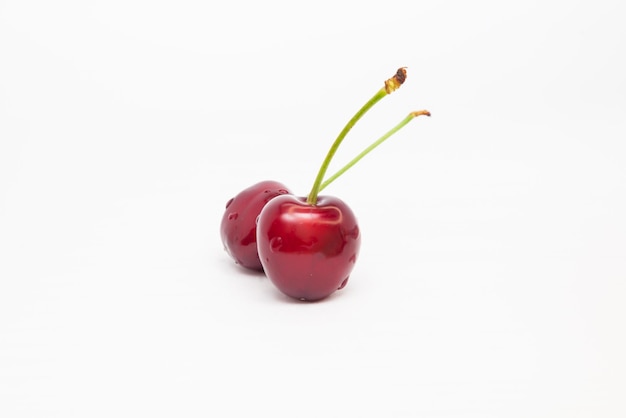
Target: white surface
x=492, y=276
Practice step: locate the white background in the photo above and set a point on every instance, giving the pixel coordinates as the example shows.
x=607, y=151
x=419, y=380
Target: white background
x=492, y=276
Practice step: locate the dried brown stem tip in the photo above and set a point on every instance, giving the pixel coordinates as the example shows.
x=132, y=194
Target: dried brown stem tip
x=396, y=81
x=420, y=113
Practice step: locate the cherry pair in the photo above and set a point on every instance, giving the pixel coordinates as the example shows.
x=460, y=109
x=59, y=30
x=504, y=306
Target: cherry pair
x=307, y=246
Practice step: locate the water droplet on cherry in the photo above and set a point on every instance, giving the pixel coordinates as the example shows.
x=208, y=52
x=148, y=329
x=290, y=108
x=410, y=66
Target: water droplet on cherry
x=275, y=244
x=354, y=232
x=232, y=216
x=344, y=283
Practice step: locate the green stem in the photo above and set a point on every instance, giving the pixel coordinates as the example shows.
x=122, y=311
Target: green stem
x=391, y=85
x=375, y=144
x=312, y=198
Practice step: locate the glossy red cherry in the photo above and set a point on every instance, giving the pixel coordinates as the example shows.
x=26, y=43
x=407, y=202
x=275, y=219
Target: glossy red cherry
x=238, y=226
x=308, y=251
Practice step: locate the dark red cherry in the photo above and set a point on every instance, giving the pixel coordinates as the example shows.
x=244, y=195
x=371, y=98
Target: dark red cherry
x=308, y=251
x=238, y=227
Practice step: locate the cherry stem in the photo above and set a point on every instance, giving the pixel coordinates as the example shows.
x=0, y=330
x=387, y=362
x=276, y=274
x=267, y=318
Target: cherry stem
x=391, y=85
x=375, y=144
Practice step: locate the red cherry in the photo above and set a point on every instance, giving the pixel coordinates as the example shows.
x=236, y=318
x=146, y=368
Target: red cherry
x=308, y=251
x=238, y=227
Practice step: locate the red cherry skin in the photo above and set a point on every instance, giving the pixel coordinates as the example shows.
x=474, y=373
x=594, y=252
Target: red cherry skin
x=308, y=251
x=238, y=226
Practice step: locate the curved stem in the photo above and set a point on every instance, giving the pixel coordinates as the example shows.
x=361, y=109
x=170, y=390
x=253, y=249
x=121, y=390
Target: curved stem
x=391, y=85
x=375, y=144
